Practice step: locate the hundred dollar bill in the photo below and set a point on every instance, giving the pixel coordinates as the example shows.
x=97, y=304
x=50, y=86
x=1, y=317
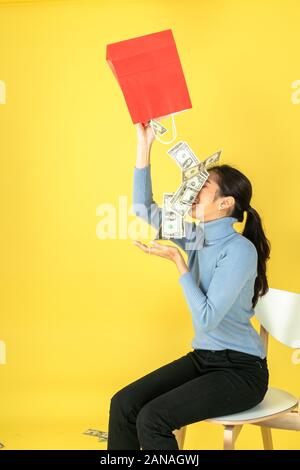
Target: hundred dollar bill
x=183, y=199
x=157, y=126
x=172, y=223
x=102, y=435
x=183, y=155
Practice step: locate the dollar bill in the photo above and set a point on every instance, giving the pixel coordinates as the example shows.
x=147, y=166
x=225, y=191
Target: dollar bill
x=193, y=170
x=102, y=435
x=201, y=167
x=198, y=180
x=212, y=160
x=172, y=223
x=183, y=155
x=183, y=199
x=158, y=127
x=177, y=205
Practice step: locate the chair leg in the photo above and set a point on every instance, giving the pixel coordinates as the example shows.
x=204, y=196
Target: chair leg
x=267, y=438
x=180, y=436
x=231, y=433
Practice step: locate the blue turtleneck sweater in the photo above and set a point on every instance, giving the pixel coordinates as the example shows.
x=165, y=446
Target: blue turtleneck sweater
x=219, y=285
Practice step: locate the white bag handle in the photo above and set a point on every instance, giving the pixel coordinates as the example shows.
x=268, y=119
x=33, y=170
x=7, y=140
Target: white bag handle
x=174, y=131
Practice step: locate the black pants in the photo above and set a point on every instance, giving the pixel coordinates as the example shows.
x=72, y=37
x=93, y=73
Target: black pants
x=199, y=385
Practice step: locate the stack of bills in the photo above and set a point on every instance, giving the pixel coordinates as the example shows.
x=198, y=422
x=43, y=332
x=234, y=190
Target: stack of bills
x=194, y=174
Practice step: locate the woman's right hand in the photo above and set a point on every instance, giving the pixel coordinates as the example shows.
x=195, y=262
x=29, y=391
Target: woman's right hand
x=145, y=135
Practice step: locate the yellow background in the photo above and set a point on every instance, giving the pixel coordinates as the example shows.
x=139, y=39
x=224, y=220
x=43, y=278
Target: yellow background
x=82, y=317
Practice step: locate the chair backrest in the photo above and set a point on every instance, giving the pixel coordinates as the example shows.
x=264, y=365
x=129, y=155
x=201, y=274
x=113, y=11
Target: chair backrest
x=278, y=311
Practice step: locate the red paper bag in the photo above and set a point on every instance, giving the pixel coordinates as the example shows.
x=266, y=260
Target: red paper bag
x=150, y=75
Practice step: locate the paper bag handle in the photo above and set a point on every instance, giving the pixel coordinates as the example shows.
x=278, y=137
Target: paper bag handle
x=174, y=131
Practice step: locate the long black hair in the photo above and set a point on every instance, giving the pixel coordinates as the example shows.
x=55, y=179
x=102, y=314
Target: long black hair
x=233, y=182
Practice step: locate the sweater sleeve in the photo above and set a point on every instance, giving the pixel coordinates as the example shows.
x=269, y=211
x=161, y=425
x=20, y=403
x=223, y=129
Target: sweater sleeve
x=146, y=208
x=232, y=272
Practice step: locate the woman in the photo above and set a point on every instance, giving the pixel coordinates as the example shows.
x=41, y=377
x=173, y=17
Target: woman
x=227, y=371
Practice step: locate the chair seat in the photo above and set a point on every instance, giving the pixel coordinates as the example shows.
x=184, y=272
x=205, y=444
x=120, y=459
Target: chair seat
x=275, y=401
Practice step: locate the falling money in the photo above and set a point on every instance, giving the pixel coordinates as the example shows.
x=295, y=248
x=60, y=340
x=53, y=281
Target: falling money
x=183, y=199
x=201, y=167
x=172, y=223
x=183, y=155
x=198, y=180
x=177, y=205
x=212, y=159
x=157, y=126
x=102, y=435
x=192, y=171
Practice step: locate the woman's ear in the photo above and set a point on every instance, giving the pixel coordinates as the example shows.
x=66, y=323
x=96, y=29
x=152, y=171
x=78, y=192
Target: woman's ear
x=227, y=203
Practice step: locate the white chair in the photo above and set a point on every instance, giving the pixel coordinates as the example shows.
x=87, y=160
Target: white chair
x=279, y=315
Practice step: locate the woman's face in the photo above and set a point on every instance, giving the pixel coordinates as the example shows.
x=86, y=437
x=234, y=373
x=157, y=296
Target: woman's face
x=206, y=205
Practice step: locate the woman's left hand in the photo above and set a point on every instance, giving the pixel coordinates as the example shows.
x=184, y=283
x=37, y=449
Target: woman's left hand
x=165, y=251
x=169, y=252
